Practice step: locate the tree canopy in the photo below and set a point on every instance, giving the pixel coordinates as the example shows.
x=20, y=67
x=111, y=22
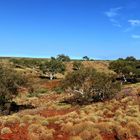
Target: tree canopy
x=63, y=58
x=126, y=67
x=52, y=67
x=86, y=58
x=90, y=85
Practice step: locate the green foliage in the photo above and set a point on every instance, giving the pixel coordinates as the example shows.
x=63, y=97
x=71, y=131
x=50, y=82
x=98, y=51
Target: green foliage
x=90, y=85
x=58, y=90
x=77, y=65
x=75, y=80
x=52, y=67
x=126, y=67
x=38, y=92
x=130, y=58
x=10, y=82
x=26, y=62
x=63, y=58
x=86, y=58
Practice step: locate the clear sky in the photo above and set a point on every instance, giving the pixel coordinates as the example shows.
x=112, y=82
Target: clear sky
x=101, y=29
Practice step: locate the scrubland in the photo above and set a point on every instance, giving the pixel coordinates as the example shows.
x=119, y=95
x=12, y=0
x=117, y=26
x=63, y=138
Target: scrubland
x=50, y=119
x=109, y=120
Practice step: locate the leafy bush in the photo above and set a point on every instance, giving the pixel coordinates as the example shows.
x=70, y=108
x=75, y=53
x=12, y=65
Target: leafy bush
x=126, y=69
x=26, y=62
x=58, y=90
x=10, y=82
x=52, y=67
x=63, y=58
x=88, y=85
x=38, y=92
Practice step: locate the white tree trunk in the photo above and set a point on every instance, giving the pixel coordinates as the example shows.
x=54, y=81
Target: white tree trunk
x=51, y=76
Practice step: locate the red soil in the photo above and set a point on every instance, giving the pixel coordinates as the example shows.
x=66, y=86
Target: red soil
x=50, y=113
x=51, y=84
x=52, y=97
x=22, y=133
x=108, y=137
x=18, y=133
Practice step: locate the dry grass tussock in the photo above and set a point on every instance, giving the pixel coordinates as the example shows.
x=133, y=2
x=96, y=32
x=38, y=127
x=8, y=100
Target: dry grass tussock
x=40, y=132
x=6, y=130
x=90, y=122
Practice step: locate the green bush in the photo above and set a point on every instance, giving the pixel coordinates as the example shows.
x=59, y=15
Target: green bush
x=26, y=62
x=58, y=90
x=52, y=67
x=126, y=68
x=88, y=85
x=10, y=82
x=63, y=58
x=38, y=92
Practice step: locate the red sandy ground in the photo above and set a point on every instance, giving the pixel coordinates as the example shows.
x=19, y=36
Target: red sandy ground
x=18, y=133
x=22, y=133
x=51, y=84
x=50, y=113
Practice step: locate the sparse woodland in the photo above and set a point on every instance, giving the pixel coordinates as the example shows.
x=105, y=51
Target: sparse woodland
x=64, y=99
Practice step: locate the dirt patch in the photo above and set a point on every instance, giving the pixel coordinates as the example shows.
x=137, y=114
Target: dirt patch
x=50, y=113
x=108, y=137
x=51, y=84
x=18, y=133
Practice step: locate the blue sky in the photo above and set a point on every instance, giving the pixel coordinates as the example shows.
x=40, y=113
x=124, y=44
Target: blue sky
x=101, y=29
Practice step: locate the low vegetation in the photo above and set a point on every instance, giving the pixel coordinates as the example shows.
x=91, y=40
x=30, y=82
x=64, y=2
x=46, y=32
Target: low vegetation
x=87, y=103
x=128, y=69
x=52, y=67
x=10, y=82
x=88, y=86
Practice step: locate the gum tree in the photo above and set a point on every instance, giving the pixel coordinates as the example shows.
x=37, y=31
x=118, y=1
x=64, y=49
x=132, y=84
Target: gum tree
x=52, y=67
x=88, y=85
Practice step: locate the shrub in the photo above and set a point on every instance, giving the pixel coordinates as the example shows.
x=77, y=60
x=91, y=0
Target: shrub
x=85, y=135
x=58, y=90
x=104, y=127
x=63, y=58
x=134, y=129
x=52, y=67
x=80, y=127
x=36, y=128
x=122, y=133
x=37, y=92
x=67, y=127
x=5, y=130
x=10, y=83
x=26, y=62
x=98, y=137
x=88, y=85
x=127, y=69
x=10, y=121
